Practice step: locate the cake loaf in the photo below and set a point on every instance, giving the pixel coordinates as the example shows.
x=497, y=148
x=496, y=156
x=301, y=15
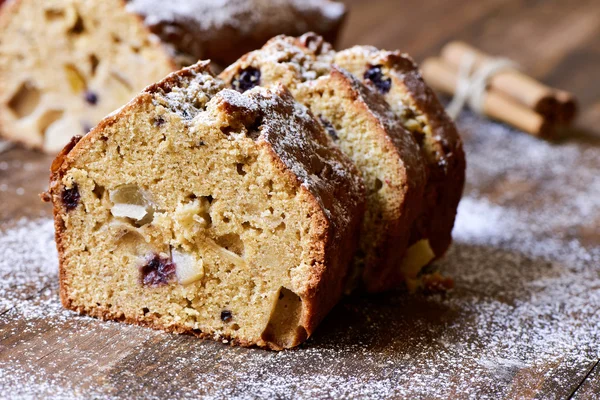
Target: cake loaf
x=65, y=64
x=203, y=210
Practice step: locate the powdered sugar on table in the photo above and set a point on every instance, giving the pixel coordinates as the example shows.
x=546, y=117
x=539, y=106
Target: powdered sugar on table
x=522, y=322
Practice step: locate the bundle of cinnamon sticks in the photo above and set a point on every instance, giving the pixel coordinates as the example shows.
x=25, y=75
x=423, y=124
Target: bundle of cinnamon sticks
x=511, y=96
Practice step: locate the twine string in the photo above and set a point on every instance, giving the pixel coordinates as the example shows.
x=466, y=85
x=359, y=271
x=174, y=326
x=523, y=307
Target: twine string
x=471, y=87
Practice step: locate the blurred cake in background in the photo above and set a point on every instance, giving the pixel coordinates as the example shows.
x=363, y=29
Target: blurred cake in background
x=223, y=30
x=65, y=64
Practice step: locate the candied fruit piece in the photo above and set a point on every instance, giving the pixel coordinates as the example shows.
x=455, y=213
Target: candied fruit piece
x=247, y=79
x=129, y=201
x=75, y=78
x=159, y=121
x=188, y=268
x=157, y=271
x=25, y=100
x=376, y=76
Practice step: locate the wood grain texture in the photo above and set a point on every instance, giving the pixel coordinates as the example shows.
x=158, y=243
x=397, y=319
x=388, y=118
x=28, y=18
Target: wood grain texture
x=523, y=321
x=590, y=385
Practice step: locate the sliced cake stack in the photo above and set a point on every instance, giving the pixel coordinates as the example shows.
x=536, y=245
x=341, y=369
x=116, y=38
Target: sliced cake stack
x=242, y=207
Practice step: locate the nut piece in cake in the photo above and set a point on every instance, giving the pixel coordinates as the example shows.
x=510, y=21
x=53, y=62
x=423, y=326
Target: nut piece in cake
x=233, y=218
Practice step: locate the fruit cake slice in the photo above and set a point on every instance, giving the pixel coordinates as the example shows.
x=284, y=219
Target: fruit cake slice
x=202, y=210
x=397, y=78
x=361, y=123
x=65, y=64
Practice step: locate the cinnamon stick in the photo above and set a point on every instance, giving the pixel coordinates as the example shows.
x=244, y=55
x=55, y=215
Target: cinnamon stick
x=568, y=107
x=444, y=77
x=513, y=83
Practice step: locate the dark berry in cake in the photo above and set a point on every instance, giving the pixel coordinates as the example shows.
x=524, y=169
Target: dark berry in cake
x=226, y=316
x=329, y=128
x=159, y=121
x=70, y=197
x=375, y=75
x=91, y=98
x=246, y=80
x=157, y=271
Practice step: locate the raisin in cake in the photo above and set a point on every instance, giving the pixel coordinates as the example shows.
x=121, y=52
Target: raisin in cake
x=362, y=124
x=397, y=78
x=202, y=210
x=65, y=64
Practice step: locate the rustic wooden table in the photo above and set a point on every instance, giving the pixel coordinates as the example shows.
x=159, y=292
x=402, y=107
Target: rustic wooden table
x=523, y=321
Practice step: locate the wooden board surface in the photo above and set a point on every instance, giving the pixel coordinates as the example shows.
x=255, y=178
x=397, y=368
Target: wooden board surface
x=523, y=321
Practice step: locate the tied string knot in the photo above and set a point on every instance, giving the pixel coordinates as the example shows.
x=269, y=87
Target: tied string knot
x=472, y=84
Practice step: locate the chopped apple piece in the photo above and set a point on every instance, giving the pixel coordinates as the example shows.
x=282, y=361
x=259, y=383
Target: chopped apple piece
x=187, y=267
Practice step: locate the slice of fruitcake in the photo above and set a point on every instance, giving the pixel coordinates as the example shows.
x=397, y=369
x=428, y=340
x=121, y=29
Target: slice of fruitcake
x=65, y=64
x=397, y=78
x=203, y=210
x=362, y=124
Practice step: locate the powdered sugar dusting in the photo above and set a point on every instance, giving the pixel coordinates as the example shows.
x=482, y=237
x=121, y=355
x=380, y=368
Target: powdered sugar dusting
x=522, y=322
x=23, y=271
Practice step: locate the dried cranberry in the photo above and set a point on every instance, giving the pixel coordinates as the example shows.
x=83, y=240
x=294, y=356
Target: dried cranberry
x=159, y=121
x=158, y=271
x=329, y=128
x=226, y=316
x=376, y=76
x=246, y=80
x=70, y=197
x=91, y=98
